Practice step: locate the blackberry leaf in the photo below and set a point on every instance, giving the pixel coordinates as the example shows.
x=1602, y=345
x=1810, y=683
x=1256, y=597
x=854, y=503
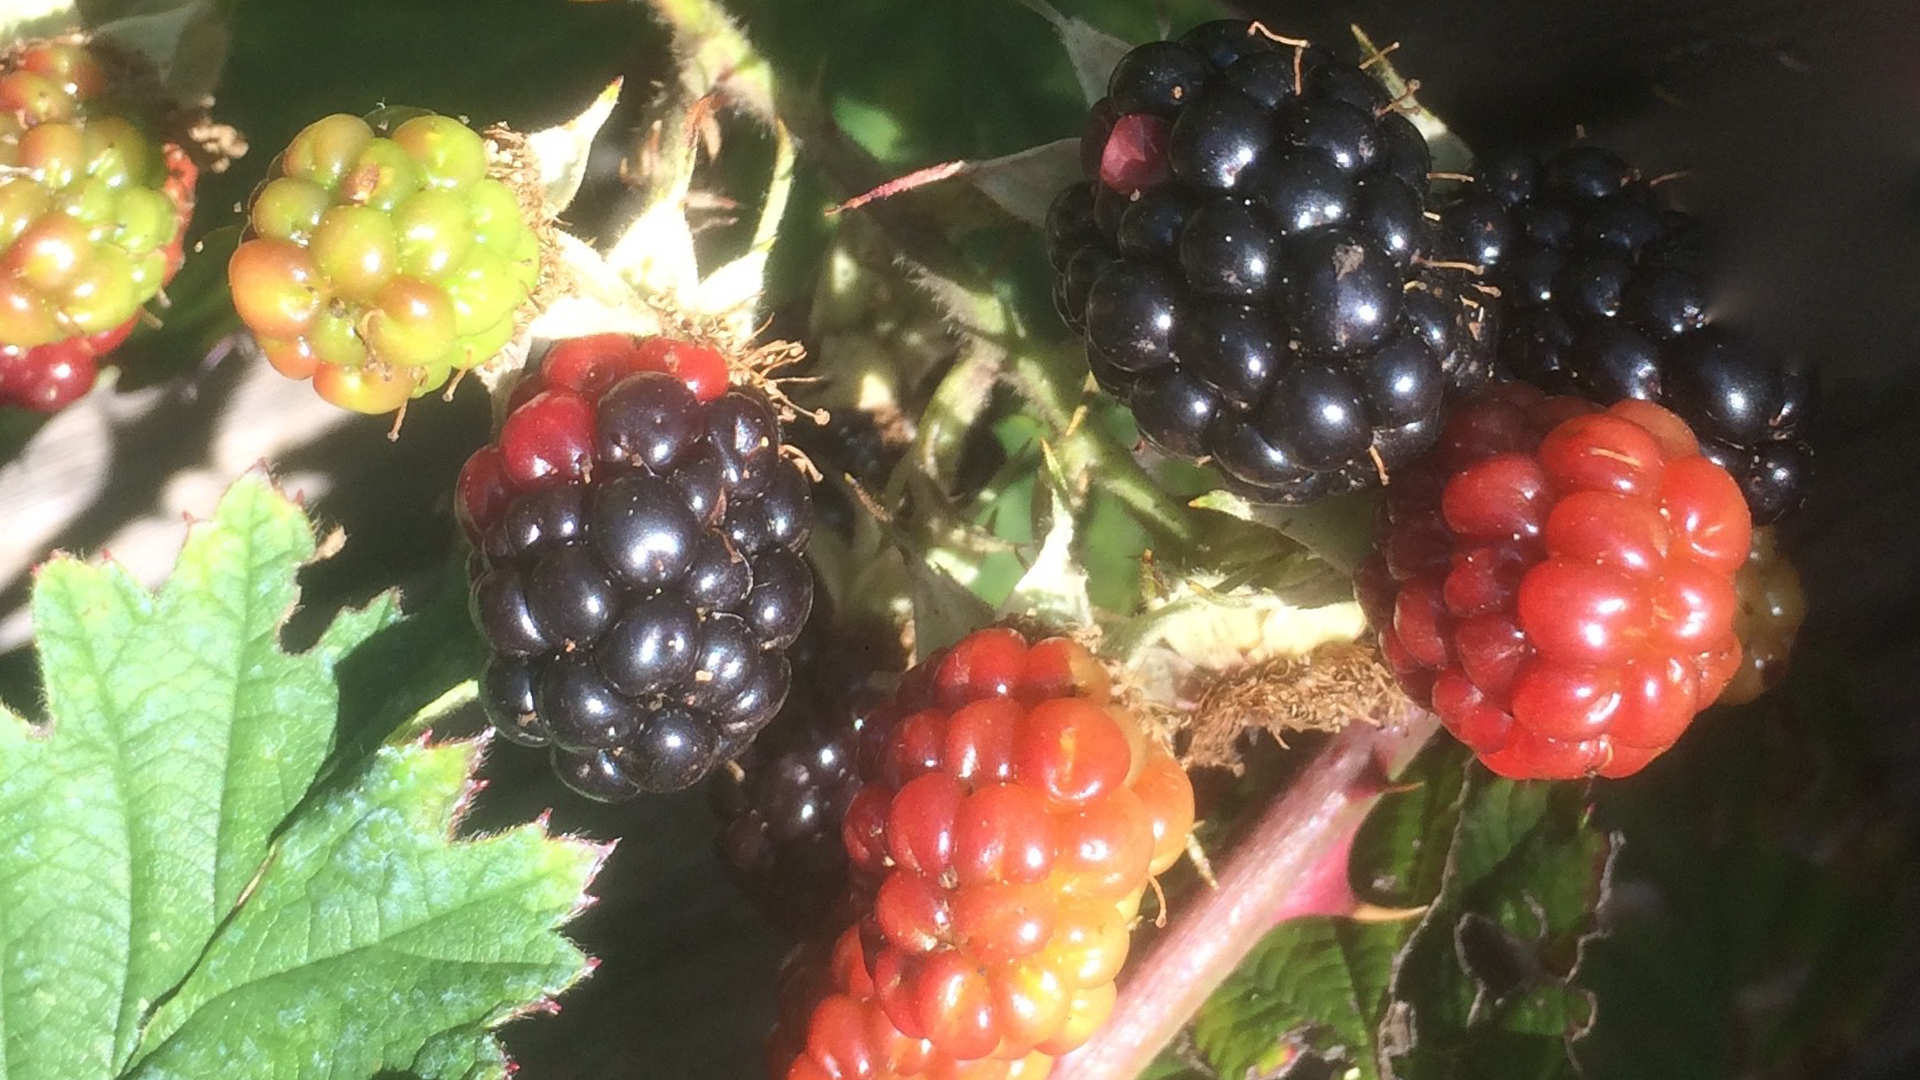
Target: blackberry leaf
x=1316, y=984
x=1485, y=982
x=365, y=892
x=141, y=863
x=1490, y=981
x=1093, y=51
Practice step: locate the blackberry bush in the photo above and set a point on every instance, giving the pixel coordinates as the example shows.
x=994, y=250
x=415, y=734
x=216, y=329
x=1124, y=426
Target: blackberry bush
x=638, y=573
x=1247, y=262
x=383, y=255
x=1608, y=294
x=94, y=202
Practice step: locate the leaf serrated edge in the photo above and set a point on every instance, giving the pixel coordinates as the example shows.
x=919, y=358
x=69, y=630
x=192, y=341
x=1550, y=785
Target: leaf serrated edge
x=1398, y=1033
x=595, y=853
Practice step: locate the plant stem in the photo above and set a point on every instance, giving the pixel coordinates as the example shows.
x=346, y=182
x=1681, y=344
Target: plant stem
x=1051, y=388
x=1221, y=925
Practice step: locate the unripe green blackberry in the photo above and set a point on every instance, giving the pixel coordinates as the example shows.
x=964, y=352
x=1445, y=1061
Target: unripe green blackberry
x=93, y=205
x=384, y=254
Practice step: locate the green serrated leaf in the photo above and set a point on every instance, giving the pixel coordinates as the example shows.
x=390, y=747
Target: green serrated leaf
x=397, y=667
x=1400, y=854
x=368, y=903
x=1314, y=985
x=1489, y=981
x=1339, y=531
x=1484, y=982
x=180, y=737
x=138, y=819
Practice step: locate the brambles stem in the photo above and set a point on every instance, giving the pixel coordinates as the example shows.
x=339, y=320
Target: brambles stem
x=1219, y=926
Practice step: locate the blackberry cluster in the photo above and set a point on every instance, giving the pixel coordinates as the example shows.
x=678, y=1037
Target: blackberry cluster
x=782, y=807
x=93, y=208
x=638, y=573
x=1606, y=295
x=1246, y=263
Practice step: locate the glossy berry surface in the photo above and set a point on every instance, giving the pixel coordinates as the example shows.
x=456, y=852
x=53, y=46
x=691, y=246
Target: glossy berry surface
x=831, y=1027
x=1767, y=621
x=1557, y=582
x=1247, y=262
x=1609, y=295
x=1010, y=817
x=93, y=209
x=782, y=806
x=382, y=255
x=629, y=633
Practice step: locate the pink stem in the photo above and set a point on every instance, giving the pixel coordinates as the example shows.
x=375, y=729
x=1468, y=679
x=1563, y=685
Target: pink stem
x=1220, y=926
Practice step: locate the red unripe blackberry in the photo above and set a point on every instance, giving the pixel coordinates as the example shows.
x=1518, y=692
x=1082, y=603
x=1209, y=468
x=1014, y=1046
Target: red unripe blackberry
x=1557, y=582
x=382, y=255
x=1011, y=815
x=93, y=209
x=639, y=576
x=1246, y=261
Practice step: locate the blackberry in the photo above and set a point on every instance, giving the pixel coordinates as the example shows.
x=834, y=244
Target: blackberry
x=1607, y=290
x=1012, y=814
x=638, y=578
x=94, y=204
x=1558, y=583
x=383, y=255
x=780, y=805
x=1246, y=260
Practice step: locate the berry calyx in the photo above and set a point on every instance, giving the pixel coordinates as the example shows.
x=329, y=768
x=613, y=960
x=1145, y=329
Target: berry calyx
x=1557, y=582
x=383, y=255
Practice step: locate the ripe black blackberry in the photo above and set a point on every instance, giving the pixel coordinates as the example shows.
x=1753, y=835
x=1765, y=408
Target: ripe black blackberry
x=1607, y=294
x=782, y=801
x=638, y=574
x=1246, y=261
